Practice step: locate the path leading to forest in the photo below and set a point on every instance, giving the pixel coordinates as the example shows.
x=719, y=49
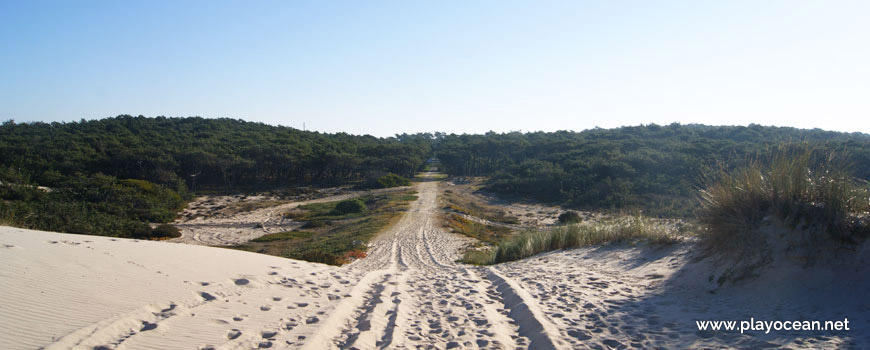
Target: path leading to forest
x=412, y=294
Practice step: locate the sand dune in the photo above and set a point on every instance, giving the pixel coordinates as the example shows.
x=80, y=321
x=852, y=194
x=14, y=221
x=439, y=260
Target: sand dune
x=70, y=291
x=60, y=291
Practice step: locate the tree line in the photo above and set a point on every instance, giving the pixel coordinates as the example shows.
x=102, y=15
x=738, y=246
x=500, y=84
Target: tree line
x=88, y=166
x=657, y=169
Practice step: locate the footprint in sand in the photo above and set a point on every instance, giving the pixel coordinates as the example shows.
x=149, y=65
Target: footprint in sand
x=207, y=297
x=268, y=334
x=147, y=326
x=233, y=334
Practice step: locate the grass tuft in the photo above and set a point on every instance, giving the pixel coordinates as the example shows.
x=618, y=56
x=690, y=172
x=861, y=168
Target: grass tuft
x=795, y=184
x=626, y=229
x=485, y=233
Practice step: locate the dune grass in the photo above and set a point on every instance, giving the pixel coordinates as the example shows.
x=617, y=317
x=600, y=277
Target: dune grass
x=626, y=229
x=486, y=233
x=794, y=184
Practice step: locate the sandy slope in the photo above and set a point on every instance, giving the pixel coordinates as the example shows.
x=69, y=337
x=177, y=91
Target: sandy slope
x=69, y=291
x=66, y=291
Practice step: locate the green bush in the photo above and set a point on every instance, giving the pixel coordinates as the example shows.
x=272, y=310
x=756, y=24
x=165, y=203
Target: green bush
x=95, y=204
x=315, y=224
x=569, y=217
x=393, y=180
x=166, y=231
x=350, y=206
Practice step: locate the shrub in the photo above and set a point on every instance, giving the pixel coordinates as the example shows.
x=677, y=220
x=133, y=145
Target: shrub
x=569, y=217
x=797, y=185
x=315, y=224
x=350, y=206
x=134, y=229
x=165, y=231
x=393, y=180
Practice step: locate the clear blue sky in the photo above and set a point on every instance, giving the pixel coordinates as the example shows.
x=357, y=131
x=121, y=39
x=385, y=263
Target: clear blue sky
x=386, y=67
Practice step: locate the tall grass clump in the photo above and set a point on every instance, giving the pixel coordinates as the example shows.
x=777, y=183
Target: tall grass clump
x=795, y=184
x=630, y=229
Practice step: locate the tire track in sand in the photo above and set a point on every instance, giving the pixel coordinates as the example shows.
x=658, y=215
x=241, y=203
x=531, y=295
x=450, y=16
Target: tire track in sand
x=413, y=295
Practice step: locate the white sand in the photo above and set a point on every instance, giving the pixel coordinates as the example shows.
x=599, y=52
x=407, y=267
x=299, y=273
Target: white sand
x=63, y=291
x=70, y=291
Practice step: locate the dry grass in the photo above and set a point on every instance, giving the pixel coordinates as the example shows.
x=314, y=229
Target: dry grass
x=486, y=233
x=625, y=229
x=795, y=184
x=467, y=206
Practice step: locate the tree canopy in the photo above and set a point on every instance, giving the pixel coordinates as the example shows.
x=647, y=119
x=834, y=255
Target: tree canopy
x=654, y=168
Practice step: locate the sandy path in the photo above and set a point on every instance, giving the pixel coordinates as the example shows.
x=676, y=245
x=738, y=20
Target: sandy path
x=414, y=295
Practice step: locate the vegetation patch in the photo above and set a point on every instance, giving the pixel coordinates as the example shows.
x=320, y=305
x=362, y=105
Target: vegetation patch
x=350, y=206
x=339, y=235
x=623, y=229
x=97, y=204
x=165, y=231
x=459, y=204
x=393, y=180
x=799, y=186
x=569, y=217
x=486, y=233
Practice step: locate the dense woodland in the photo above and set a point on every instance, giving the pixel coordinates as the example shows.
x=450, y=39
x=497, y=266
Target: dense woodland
x=656, y=169
x=87, y=165
x=115, y=175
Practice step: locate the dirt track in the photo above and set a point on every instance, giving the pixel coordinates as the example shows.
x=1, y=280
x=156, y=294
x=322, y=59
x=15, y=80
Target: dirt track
x=411, y=294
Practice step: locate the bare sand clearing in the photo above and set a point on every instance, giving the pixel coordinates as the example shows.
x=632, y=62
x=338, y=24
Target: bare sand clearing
x=213, y=220
x=63, y=291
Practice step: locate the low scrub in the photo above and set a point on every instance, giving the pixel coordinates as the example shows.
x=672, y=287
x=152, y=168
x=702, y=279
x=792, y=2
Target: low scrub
x=335, y=232
x=569, y=217
x=478, y=256
x=795, y=186
x=350, y=206
x=626, y=229
x=165, y=231
x=476, y=230
x=96, y=205
x=393, y=180
x=463, y=205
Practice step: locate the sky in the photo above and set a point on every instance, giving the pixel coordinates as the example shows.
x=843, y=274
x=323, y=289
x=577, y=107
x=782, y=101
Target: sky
x=388, y=67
